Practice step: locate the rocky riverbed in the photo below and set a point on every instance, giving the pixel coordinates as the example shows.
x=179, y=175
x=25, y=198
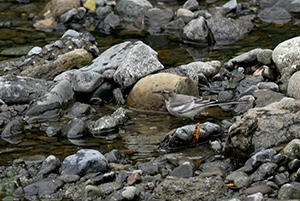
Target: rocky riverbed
x=97, y=109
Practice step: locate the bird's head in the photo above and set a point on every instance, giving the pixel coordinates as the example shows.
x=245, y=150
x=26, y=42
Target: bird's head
x=165, y=92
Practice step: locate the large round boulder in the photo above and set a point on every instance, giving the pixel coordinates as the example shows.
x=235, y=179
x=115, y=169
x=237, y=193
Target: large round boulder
x=142, y=96
x=286, y=57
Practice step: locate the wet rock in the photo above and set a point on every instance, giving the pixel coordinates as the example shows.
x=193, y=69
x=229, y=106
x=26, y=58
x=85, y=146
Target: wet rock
x=227, y=30
x=42, y=188
x=239, y=179
x=50, y=165
x=142, y=97
x=117, y=156
x=69, y=15
x=184, y=170
x=118, y=97
x=248, y=57
x=107, y=124
x=292, y=149
x=265, y=127
x=286, y=58
x=73, y=59
x=264, y=189
x=131, y=10
x=293, y=85
x=77, y=129
x=265, y=56
x=20, y=90
x=60, y=95
x=13, y=131
x=175, y=26
x=102, y=94
x=275, y=15
x=198, y=31
x=148, y=168
x=264, y=171
x=181, y=137
x=80, y=110
x=156, y=18
x=288, y=191
x=83, y=162
x=183, y=188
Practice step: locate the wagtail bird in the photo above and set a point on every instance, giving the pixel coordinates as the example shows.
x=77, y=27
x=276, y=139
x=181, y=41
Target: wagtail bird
x=186, y=106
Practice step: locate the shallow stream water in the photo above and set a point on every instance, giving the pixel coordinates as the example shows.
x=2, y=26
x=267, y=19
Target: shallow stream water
x=141, y=135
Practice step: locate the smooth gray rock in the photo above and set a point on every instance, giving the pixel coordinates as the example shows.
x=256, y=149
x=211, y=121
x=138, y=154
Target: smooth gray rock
x=83, y=162
x=85, y=82
x=275, y=15
x=286, y=57
x=182, y=136
x=117, y=156
x=49, y=165
x=19, y=90
x=35, y=50
x=228, y=30
x=60, y=95
x=42, y=188
x=77, y=129
x=264, y=171
x=265, y=56
x=184, y=170
x=197, y=31
x=191, y=5
x=130, y=10
x=247, y=57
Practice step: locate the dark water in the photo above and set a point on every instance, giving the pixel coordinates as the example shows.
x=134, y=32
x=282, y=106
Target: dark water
x=142, y=133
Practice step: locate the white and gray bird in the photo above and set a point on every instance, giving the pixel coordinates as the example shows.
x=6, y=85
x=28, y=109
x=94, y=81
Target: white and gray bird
x=186, y=106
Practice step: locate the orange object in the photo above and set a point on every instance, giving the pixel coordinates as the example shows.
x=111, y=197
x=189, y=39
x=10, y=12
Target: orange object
x=229, y=185
x=196, y=135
